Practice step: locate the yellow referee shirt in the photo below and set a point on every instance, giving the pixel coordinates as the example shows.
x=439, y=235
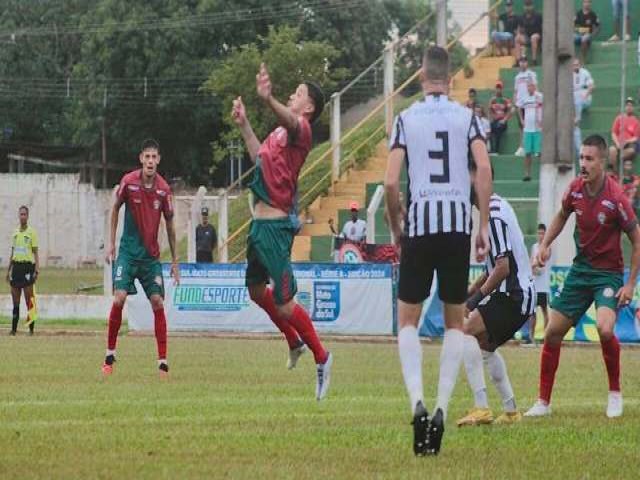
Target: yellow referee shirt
x=24, y=241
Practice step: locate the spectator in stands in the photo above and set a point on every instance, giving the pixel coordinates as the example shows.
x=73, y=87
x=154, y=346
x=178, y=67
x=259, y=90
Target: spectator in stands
x=625, y=133
x=530, y=33
x=355, y=229
x=618, y=12
x=523, y=78
x=471, y=101
x=531, y=117
x=206, y=239
x=500, y=111
x=586, y=25
x=484, y=123
x=583, y=87
x=505, y=33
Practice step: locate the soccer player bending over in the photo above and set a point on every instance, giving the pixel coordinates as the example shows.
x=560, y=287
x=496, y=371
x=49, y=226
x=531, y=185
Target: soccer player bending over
x=499, y=303
x=146, y=196
x=278, y=162
x=603, y=212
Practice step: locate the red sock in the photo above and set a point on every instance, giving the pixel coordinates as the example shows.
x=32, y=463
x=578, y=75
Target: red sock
x=301, y=321
x=611, y=355
x=269, y=305
x=115, y=320
x=549, y=361
x=160, y=324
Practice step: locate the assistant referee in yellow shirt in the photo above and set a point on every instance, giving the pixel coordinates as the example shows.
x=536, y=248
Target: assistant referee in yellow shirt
x=23, y=267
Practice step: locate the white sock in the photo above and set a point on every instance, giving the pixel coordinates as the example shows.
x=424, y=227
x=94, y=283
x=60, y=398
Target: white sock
x=110, y=352
x=475, y=371
x=500, y=378
x=410, y=351
x=450, y=360
x=161, y=361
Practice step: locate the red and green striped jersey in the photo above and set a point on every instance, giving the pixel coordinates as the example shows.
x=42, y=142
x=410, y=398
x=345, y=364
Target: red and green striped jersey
x=278, y=165
x=600, y=220
x=143, y=208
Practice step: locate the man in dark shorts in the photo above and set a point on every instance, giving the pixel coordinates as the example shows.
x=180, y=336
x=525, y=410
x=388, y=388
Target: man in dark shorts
x=586, y=26
x=542, y=279
x=147, y=197
x=603, y=212
x=503, y=36
x=530, y=31
x=436, y=138
x=23, y=269
x=206, y=239
x=278, y=162
x=500, y=302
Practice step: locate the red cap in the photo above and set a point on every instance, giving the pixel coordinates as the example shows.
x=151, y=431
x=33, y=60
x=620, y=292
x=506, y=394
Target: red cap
x=354, y=206
x=499, y=84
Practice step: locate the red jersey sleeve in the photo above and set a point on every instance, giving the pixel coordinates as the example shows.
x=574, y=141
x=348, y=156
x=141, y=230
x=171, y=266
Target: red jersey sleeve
x=567, y=200
x=167, y=205
x=626, y=216
x=121, y=193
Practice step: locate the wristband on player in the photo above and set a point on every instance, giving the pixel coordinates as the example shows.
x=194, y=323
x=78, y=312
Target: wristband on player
x=474, y=300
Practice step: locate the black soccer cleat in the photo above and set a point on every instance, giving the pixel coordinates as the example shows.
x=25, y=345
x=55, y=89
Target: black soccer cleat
x=420, y=426
x=435, y=433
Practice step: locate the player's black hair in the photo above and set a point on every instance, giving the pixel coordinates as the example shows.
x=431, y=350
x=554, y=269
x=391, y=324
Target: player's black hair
x=317, y=95
x=24, y=207
x=150, y=143
x=435, y=63
x=542, y=226
x=597, y=141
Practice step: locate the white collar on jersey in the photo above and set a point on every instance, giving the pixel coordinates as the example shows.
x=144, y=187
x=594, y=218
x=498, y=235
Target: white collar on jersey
x=435, y=97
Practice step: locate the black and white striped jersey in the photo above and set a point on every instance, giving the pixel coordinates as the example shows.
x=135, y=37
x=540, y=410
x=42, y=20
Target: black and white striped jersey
x=506, y=240
x=436, y=135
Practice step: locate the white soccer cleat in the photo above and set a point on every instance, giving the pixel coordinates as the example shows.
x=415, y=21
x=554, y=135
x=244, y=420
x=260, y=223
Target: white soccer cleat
x=519, y=152
x=539, y=409
x=294, y=355
x=614, y=406
x=324, y=377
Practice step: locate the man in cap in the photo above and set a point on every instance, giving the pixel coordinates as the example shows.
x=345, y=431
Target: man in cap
x=206, y=239
x=356, y=228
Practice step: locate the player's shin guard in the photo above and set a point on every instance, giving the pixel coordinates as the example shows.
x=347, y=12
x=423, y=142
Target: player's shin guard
x=15, y=318
x=549, y=360
x=269, y=305
x=301, y=321
x=115, y=320
x=410, y=351
x=475, y=374
x=450, y=359
x=160, y=326
x=611, y=355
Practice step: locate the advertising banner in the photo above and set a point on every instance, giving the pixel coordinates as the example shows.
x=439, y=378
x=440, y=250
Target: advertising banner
x=341, y=298
x=627, y=325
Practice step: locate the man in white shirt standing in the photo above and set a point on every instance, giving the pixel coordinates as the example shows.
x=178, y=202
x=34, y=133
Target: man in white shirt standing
x=542, y=279
x=356, y=228
x=583, y=86
x=531, y=119
x=523, y=78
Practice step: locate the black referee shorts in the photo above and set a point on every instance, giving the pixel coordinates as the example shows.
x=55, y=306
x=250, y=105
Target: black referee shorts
x=502, y=316
x=22, y=274
x=447, y=254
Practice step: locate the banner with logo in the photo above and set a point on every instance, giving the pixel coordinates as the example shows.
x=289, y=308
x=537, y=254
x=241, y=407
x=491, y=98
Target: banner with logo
x=627, y=325
x=347, y=251
x=340, y=298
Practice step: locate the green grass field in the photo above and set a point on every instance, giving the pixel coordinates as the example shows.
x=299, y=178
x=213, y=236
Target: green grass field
x=64, y=281
x=232, y=410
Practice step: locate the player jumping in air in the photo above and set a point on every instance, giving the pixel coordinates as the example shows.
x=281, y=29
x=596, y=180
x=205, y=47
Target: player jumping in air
x=278, y=162
x=603, y=212
x=147, y=197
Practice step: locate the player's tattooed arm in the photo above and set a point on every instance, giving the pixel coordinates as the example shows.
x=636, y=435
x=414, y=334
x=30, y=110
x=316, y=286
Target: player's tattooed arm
x=392, y=192
x=110, y=253
x=239, y=115
x=556, y=226
x=171, y=235
x=625, y=294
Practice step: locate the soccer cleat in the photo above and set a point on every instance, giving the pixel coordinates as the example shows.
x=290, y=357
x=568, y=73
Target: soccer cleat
x=12, y=333
x=539, y=409
x=614, y=38
x=163, y=370
x=519, y=152
x=294, y=355
x=420, y=426
x=107, y=366
x=508, y=418
x=614, y=405
x=435, y=433
x=324, y=377
x=476, y=416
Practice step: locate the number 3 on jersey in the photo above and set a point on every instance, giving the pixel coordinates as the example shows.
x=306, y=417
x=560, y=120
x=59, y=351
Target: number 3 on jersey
x=441, y=155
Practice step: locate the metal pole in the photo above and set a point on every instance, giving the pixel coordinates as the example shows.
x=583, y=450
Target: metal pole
x=388, y=88
x=441, y=22
x=623, y=85
x=335, y=136
x=223, y=227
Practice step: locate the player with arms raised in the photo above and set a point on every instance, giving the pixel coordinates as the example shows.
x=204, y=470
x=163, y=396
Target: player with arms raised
x=147, y=197
x=278, y=162
x=603, y=212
